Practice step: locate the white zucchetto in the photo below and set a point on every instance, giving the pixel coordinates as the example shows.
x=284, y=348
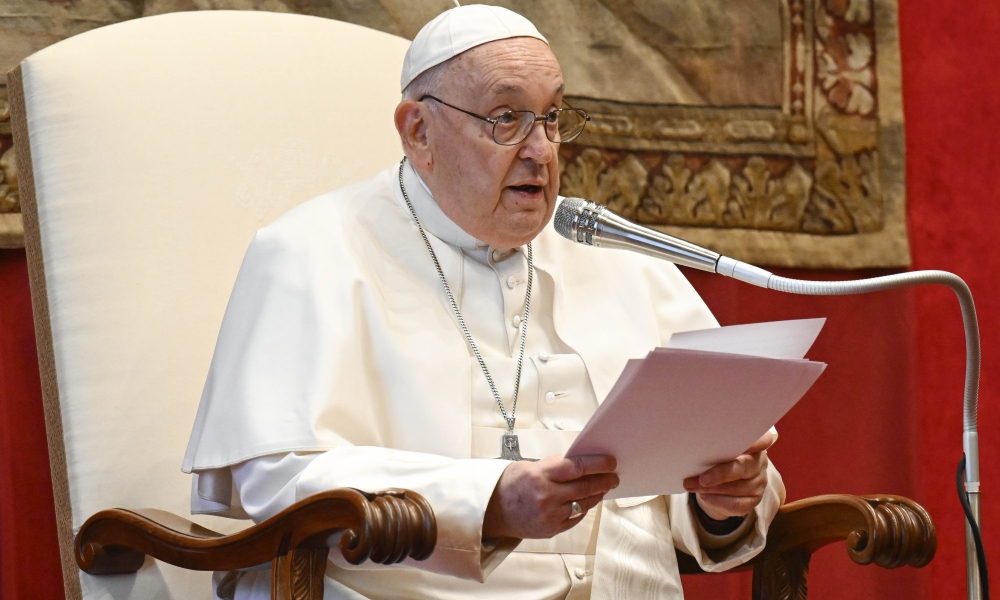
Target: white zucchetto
x=457, y=30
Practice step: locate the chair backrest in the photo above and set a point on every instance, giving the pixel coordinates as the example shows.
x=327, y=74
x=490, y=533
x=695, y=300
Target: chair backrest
x=152, y=150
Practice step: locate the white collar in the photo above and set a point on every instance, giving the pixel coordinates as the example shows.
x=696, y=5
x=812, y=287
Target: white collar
x=432, y=218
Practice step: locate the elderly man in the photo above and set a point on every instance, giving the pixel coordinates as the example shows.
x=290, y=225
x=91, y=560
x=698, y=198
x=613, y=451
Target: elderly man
x=425, y=327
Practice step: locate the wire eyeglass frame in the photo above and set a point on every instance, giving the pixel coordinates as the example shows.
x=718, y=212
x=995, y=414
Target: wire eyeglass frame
x=520, y=116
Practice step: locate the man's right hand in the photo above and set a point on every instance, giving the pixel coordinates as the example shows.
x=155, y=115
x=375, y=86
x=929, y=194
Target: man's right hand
x=534, y=499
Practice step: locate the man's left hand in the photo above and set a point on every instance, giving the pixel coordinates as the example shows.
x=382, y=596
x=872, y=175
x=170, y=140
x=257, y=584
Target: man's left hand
x=734, y=488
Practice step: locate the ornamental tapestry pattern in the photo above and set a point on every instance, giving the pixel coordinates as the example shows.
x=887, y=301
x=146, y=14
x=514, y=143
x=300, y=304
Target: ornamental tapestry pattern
x=767, y=130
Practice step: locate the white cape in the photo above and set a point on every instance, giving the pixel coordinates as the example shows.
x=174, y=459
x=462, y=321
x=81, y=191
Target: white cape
x=338, y=333
x=370, y=352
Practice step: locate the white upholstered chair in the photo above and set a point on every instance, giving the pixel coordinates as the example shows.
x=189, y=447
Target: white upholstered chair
x=157, y=147
x=150, y=152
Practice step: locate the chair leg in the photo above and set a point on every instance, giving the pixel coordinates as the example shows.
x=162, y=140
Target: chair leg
x=298, y=575
x=782, y=577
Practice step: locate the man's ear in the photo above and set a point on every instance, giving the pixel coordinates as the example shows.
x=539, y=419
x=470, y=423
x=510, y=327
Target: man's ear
x=411, y=123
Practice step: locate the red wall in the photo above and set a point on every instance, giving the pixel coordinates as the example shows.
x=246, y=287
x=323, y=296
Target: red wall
x=29, y=554
x=952, y=102
x=884, y=418
x=887, y=415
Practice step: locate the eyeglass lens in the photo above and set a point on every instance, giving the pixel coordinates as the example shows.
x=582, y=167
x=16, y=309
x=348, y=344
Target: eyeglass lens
x=560, y=125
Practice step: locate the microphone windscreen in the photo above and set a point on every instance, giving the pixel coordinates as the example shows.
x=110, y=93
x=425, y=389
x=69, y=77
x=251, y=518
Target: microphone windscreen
x=566, y=212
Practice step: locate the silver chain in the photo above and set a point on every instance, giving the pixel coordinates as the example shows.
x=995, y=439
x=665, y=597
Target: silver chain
x=461, y=320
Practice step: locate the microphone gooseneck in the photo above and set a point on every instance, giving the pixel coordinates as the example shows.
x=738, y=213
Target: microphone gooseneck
x=592, y=224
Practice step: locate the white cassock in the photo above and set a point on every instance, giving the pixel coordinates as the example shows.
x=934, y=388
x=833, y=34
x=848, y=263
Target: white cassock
x=340, y=364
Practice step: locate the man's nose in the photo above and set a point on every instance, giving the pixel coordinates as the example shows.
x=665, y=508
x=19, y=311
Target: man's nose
x=538, y=147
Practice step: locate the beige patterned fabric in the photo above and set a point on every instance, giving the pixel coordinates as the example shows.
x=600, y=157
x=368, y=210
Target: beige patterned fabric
x=152, y=170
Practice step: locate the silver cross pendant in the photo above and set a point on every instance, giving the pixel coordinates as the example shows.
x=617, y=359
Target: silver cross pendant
x=510, y=450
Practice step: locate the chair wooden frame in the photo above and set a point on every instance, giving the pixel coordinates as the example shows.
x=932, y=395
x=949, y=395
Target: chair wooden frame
x=888, y=531
x=385, y=528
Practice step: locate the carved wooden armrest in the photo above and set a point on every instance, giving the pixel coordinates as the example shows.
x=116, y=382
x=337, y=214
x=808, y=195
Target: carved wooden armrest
x=889, y=531
x=386, y=527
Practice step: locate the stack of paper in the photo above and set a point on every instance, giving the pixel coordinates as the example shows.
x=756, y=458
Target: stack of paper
x=702, y=400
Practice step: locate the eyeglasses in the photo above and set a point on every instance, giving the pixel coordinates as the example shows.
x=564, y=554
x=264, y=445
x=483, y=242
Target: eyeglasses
x=513, y=127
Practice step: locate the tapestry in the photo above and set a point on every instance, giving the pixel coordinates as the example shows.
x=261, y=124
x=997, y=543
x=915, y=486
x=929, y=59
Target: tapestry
x=768, y=130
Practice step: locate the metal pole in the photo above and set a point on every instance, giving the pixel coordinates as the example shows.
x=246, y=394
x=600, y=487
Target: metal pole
x=974, y=586
x=970, y=443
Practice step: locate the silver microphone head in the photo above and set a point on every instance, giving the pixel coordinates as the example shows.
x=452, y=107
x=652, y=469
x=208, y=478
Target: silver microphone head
x=592, y=224
x=576, y=220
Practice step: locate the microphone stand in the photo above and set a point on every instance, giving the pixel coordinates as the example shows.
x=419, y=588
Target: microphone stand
x=970, y=434
x=593, y=225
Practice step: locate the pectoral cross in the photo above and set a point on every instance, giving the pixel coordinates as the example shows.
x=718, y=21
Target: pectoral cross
x=510, y=450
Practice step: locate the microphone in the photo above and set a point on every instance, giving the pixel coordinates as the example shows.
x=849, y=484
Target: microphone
x=592, y=224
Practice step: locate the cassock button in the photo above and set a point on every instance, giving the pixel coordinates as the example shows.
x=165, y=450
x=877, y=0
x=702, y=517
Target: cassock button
x=511, y=282
x=580, y=573
x=550, y=397
x=544, y=356
x=496, y=255
x=516, y=321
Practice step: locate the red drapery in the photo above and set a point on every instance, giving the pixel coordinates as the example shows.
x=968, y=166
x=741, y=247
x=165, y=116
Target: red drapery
x=29, y=552
x=884, y=418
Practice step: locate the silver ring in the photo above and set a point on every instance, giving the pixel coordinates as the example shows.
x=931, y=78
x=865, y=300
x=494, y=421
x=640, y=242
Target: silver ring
x=575, y=510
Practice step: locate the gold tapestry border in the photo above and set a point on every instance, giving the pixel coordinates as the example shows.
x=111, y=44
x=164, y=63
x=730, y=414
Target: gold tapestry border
x=816, y=183
x=11, y=225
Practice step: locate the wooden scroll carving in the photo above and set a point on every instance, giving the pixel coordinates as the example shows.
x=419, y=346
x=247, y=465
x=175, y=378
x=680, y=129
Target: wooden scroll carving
x=889, y=531
x=386, y=528
x=298, y=575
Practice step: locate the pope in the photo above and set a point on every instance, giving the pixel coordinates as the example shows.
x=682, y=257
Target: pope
x=426, y=329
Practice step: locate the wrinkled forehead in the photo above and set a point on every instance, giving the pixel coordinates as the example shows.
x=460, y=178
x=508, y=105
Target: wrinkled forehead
x=507, y=68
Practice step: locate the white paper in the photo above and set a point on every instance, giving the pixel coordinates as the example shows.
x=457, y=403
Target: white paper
x=682, y=410
x=778, y=339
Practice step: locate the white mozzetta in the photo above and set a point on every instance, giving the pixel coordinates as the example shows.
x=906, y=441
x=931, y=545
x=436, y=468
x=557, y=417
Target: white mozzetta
x=338, y=341
x=344, y=287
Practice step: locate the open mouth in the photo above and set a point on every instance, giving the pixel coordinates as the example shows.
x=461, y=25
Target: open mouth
x=527, y=189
